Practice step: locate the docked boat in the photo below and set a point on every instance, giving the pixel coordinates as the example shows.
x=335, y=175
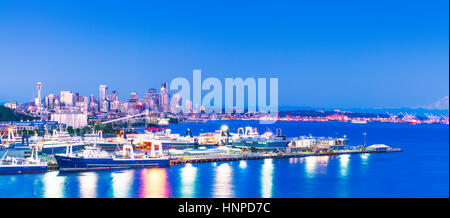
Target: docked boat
x=15, y=145
x=93, y=158
x=249, y=138
x=57, y=143
x=167, y=138
x=110, y=144
x=219, y=137
x=16, y=165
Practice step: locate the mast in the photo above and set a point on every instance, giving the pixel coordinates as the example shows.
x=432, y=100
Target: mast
x=364, y=133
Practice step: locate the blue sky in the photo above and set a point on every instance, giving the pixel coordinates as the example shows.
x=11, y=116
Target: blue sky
x=325, y=53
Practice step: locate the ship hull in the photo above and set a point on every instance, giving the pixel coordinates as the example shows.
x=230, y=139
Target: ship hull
x=22, y=169
x=81, y=164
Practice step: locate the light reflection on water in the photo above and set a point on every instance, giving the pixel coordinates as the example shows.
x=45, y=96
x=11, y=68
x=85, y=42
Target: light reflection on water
x=344, y=164
x=53, y=185
x=122, y=182
x=314, y=165
x=266, y=178
x=88, y=184
x=310, y=166
x=188, y=176
x=343, y=184
x=365, y=158
x=364, y=163
x=222, y=182
x=153, y=183
x=243, y=164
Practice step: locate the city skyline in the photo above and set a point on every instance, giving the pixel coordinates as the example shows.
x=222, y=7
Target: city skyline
x=388, y=57
x=438, y=105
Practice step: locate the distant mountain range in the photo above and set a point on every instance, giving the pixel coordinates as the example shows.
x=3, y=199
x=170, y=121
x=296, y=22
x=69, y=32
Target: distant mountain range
x=440, y=107
x=441, y=104
x=417, y=111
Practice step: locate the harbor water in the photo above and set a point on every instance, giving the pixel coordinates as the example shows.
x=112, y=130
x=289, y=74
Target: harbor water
x=421, y=170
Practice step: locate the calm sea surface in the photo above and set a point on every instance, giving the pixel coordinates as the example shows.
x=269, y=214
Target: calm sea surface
x=421, y=170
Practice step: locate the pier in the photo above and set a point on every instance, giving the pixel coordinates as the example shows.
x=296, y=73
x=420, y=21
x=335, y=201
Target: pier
x=253, y=156
x=266, y=156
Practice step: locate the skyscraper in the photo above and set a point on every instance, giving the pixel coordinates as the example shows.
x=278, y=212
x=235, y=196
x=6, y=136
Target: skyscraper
x=114, y=101
x=51, y=101
x=67, y=99
x=103, y=98
x=134, y=97
x=151, y=99
x=93, y=105
x=175, y=104
x=164, y=98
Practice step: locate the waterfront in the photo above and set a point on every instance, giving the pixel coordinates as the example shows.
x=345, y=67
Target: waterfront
x=421, y=170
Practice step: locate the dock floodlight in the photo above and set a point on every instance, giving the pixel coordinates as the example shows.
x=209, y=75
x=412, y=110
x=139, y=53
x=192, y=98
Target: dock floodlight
x=224, y=128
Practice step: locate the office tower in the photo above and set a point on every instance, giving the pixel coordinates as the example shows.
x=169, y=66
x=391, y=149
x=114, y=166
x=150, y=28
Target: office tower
x=164, y=98
x=51, y=101
x=114, y=101
x=154, y=97
x=103, y=98
x=134, y=97
x=93, y=105
x=81, y=102
x=175, y=102
x=67, y=99
x=114, y=96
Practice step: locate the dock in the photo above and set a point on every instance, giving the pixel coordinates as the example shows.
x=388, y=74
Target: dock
x=265, y=156
x=253, y=156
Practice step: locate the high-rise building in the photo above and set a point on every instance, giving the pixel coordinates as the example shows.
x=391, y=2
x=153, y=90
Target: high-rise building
x=114, y=101
x=67, y=99
x=154, y=96
x=103, y=92
x=175, y=103
x=81, y=102
x=114, y=96
x=134, y=97
x=164, y=85
x=164, y=98
x=103, y=98
x=51, y=101
x=93, y=105
x=151, y=100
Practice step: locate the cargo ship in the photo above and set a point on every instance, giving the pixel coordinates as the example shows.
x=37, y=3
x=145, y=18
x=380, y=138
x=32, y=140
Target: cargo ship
x=93, y=158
